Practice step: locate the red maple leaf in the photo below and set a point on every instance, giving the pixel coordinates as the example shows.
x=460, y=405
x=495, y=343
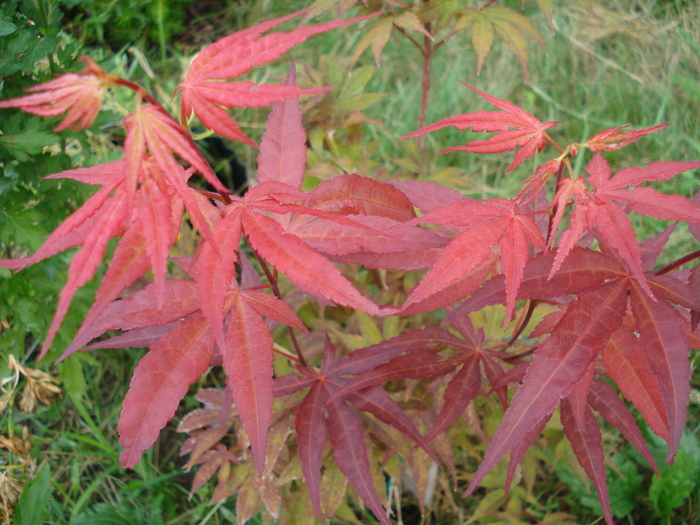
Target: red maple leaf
x=496, y=222
x=78, y=94
x=516, y=127
x=651, y=368
x=204, y=94
x=601, y=210
x=328, y=409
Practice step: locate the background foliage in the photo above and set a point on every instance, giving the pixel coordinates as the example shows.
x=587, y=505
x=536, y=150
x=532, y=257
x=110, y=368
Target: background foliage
x=608, y=63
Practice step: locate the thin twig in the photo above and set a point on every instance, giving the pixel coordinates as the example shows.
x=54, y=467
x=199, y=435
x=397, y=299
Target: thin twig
x=678, y=263
x=523, y=324
x=275, y=289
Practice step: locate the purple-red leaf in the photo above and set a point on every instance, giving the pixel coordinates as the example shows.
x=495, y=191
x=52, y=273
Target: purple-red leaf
x=559, y=363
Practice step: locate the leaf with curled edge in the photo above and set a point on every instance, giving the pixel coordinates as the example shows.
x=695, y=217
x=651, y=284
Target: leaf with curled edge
x=559, y=363
x=235, y=55
x=160, y=381
x=529, y=133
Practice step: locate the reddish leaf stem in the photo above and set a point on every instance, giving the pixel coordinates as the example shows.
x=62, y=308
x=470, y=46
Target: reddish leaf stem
x=516, y=357
x=410, y=38
x=678, y=263
x=523, y=323
x=275, y=289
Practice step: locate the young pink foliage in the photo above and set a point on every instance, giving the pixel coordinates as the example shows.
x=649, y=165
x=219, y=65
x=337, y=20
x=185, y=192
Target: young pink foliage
x=77, y=94
x=615, y=138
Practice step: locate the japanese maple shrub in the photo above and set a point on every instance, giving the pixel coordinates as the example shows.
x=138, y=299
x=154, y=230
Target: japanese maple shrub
x=614, y=324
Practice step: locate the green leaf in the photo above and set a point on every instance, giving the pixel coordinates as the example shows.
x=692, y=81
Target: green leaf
x=356, y=82
x=34, y=498
x=6, y=26
x=676, y=481
x=25, y=136
x=625, y=483
x=71, y=375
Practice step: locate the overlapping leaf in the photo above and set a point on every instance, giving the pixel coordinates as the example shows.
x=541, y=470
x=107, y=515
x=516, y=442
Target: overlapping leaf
x=326, y=411
x=181, y=355
x=496, y=222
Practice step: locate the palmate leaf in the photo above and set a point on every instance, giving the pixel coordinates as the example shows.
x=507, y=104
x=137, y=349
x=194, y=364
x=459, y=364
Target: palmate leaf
x=511, y=27
x=601, y=211
x=512, y=230
x=156, y=207
x=78, y=95
x=235, y=55
x=529, y=133
x=559, y=363
x=326, y=411
x=246, y=351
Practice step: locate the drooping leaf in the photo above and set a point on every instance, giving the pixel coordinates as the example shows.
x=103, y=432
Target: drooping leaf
x=248, y=364
x=160, y=381
x=667, y=349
